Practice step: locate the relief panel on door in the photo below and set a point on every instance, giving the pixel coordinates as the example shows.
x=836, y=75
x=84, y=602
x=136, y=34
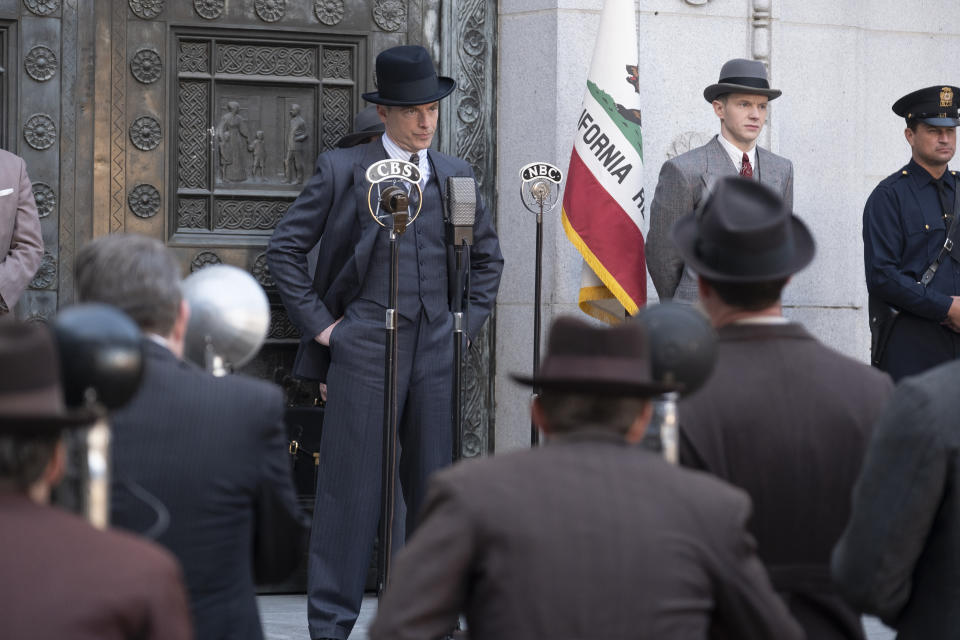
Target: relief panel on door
x=251, y=117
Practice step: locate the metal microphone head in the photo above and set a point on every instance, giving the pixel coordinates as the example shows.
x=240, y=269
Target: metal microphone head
x=394, y=199
x=540, y=190
x=461, y=209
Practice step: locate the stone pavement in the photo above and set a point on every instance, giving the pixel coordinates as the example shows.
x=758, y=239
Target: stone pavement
x=285, y=618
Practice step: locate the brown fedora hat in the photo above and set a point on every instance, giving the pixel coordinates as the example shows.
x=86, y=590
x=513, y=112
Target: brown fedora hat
x=31, y=396
x=584, y=358
x=743, y=232
x=366, y=124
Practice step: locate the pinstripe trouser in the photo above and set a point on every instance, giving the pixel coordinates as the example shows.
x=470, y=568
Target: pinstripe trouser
x=348, y=497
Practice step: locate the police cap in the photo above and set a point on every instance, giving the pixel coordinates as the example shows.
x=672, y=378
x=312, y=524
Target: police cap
x=937, y=106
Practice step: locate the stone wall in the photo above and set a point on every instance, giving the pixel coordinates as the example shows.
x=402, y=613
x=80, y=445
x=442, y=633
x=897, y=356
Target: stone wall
x=840, y=66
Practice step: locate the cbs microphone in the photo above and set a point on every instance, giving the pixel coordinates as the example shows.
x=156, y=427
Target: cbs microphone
x=394, y=199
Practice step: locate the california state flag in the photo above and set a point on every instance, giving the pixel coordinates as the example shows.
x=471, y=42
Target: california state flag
x=603, y=202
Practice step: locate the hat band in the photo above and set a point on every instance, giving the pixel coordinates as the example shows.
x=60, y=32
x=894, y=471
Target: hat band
x=43, y=401
x=746, y=263
x=410, y=89
x=747, y=81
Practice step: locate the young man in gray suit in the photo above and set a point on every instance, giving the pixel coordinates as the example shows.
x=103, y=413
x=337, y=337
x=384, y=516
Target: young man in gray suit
x=590, y=536
x=783, y=417
x=740, y=100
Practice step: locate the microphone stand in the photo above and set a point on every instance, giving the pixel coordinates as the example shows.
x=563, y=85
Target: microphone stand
x=460, y=301
x=661, y=435
x=538, y=277
x=390, y=406
x=537, y=178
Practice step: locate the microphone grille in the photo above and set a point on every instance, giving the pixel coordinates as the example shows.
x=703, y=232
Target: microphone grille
x=462, y=200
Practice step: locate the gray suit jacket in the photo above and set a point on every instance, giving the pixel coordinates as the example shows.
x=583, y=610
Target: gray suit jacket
x=682, y=184
x=586, y=537
x=787, y=420
x=898, y=557
x=21, y=245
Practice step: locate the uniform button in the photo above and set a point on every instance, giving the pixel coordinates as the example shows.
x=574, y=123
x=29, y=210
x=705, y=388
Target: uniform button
x=927, y=227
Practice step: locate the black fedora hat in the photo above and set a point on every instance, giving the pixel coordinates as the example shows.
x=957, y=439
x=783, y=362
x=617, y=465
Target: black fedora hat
x=937, y=106
x=366, y=124
x=584, y=358
x=743, y=232
x=741, y=76
x=406, y=77
x=31, y=395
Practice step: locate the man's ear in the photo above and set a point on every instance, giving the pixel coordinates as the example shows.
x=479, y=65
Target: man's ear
x=538, y=415
x=703, y=289
x=639, y=427
x=718, y=109
x=57, y=466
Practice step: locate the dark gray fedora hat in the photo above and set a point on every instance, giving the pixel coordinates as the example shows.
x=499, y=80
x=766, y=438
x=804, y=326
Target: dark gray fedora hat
x=365, y=125
x=741, y=76
x=743, y=232
x=406, y=77
x=585, y=358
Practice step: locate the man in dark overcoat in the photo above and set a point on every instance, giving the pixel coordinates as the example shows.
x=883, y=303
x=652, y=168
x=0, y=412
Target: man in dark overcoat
x=340, y=310
x=783, y=417
x=200, y=462
x=60, y=577
x=897, y=558
x=590, y=536
x=912, y=269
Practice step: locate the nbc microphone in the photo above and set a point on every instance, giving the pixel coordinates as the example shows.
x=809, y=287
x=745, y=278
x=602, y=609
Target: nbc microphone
x=461, y=210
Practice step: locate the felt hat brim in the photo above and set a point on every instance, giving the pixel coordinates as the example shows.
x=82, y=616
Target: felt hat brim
x=714, y=91
x=787, y=262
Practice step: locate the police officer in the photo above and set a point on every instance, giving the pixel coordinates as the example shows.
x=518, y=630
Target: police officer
x=912, y=276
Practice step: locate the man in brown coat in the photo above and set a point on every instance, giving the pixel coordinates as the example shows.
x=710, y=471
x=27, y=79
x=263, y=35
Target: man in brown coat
x=60, y=577
x=589, y=536
x=782, y=417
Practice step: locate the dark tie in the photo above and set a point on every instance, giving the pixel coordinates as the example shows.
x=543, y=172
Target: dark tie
x=415, y=159
x=944, y=198
x=745, y=169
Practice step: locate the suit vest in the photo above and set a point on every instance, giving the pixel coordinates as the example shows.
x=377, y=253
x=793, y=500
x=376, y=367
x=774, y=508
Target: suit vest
x=423, y=263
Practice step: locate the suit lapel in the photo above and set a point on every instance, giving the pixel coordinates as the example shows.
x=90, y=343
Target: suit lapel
x=372, y=152
x=718, y=164
x=770, y=174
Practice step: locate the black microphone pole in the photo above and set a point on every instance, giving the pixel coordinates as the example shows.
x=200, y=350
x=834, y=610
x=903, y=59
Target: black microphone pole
x=400, y=217
x=395, y=201
x=459, y=338
x=461, y=214
x=537, y=285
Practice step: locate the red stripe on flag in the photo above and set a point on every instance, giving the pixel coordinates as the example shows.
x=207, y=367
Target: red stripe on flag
x=606, y=229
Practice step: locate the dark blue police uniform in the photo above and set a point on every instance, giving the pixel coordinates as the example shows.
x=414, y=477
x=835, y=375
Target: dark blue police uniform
x=903, y=231
x=905, y=225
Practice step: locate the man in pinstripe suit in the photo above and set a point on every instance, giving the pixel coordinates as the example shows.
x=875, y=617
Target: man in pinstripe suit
x=199, y=461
